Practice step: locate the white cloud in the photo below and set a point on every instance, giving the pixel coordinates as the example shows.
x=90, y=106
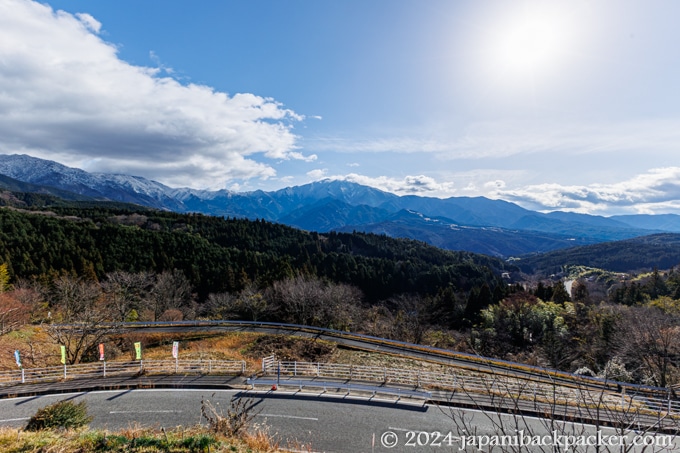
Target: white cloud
x=318, y=173
x=505, y=139
x=65, y=95
x=409, y=185
x=90, y=22
x=497, y=184
x=656, y=191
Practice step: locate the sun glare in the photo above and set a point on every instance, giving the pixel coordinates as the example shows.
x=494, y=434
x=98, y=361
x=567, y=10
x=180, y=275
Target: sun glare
x=530, y=40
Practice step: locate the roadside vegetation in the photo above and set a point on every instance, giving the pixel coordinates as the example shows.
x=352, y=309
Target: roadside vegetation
x=63, y=427
x=196, y=439
x=94, y=264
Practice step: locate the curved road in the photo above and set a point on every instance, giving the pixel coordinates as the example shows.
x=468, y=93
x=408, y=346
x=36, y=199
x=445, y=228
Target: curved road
x=303, y=421
x=332, y=424
x=365, y=342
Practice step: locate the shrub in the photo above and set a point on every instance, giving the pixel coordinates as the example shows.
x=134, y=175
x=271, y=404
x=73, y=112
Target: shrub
x=62, y=414
x=238, y=415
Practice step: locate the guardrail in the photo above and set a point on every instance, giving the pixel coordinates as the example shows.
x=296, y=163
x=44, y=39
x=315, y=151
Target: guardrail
x=104, y=369
x=325, y=385
x=502, y=386
x=583, y=388
x=471, y=359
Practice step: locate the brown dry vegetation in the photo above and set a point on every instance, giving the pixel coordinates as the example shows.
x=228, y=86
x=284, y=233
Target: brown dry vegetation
x=292, y=349
x=150, y=440
x=38, y=350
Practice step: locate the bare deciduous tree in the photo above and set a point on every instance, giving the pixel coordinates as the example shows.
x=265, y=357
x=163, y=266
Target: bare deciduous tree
x=249, y=304
x=124, y=292
x=13, y=314
x=31, y=295
x=171, y=290
x=651, y=338
x=506, y=409
x=310, y=301
x=79, y=311
x=409, y=323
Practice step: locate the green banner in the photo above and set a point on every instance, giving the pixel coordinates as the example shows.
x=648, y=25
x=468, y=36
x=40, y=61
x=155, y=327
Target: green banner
x=63, y=355
x=138, y=351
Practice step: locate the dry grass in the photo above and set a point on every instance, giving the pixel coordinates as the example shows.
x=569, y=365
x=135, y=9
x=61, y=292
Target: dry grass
x=292, y=349
x=366, y=358
x=228, y=346
x=38, y=350
x=151, y=440
x=36, y=347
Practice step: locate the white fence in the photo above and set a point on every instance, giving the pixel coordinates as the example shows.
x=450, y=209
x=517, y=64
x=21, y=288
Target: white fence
x=492, y=384
x=104, y=369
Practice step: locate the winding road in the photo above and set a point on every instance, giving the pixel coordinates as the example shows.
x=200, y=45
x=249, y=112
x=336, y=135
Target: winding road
x=383, y=345
x=303, y=422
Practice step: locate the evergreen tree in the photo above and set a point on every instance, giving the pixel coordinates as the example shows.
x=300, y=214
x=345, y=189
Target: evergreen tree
x=4, y=278
x=560, y=294
x=479, y=299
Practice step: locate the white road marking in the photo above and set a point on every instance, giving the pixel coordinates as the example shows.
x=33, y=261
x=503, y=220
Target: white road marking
x=288, y=416
x=15, y=419
x=405, y=430
x=146, y=412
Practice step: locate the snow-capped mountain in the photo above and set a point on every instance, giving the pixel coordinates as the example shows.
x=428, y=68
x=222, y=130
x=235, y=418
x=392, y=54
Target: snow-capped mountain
x=477, y=224
x=101, y=186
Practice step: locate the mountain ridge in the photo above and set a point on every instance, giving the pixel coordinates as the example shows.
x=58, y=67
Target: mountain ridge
x=457, y=223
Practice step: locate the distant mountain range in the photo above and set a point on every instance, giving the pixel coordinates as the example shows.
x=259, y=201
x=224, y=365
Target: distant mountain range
x=491, y=227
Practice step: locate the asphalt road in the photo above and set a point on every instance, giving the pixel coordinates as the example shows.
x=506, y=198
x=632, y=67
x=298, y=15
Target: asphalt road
x=320, y=423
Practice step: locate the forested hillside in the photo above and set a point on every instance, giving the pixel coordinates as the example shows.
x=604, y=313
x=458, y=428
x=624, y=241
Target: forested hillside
x=87, y=262
x=218, y=255
x=660, y=251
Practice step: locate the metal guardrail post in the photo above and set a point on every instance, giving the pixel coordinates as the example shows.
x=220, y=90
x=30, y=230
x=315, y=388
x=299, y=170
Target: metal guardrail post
x=623, y=397
x=64, y=371
x=23, y=376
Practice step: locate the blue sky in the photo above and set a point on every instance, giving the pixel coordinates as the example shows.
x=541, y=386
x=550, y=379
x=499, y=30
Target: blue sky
x=554, y=105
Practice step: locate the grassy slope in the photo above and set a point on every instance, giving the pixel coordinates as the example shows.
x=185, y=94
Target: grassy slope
x=193, y=439
x=251, y=347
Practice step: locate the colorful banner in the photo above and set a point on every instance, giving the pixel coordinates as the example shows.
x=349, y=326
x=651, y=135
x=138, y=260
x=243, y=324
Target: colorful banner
x=63, y=354
x=101, y=351
x=17, y=357
x=175, y=349
x=138, y=351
